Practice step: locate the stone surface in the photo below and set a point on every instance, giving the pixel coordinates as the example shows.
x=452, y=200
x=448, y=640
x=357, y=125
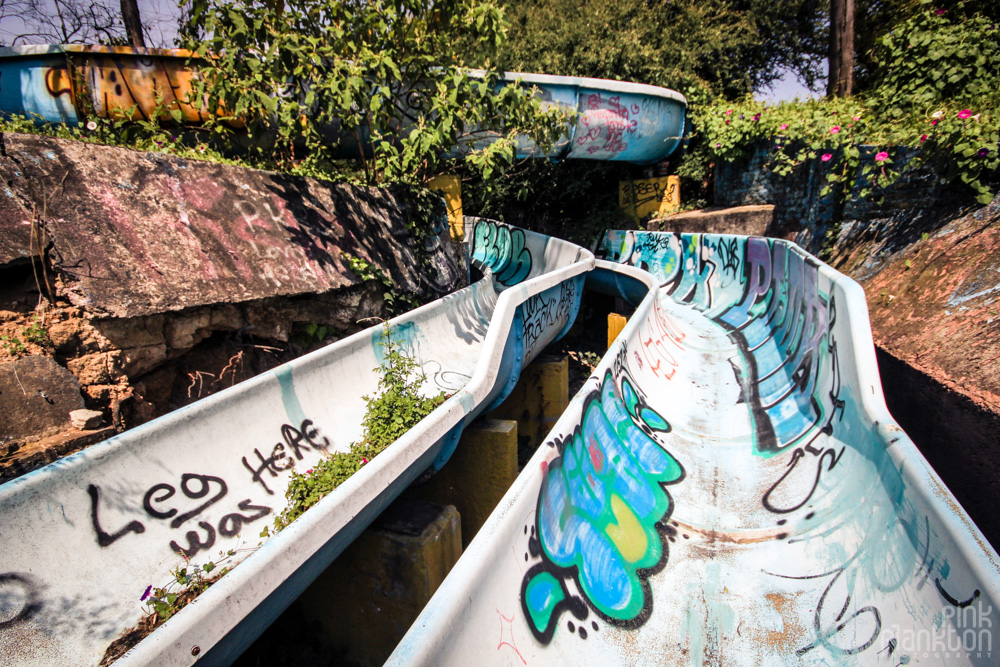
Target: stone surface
x=36, y=397
x=753, y=220
x=477, y=475
x=365, y=602
x=86, y=420
x=138, y=233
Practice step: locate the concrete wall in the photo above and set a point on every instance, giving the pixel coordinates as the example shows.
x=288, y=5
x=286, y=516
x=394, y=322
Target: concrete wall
x=164, y=280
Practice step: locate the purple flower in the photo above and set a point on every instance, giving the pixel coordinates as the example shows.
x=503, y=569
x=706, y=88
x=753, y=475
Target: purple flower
x=741, y=116
x=145, y=595
x=964, y=113
x=881, y=156
x=826, y=157
x=717, y=144
x=983, y=152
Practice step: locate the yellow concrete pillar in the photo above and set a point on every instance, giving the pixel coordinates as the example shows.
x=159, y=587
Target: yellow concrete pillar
x=477, y=475
x=451, y=187
x=615, y=325
x=655, y=197
x=537, y=402
x=369, y=597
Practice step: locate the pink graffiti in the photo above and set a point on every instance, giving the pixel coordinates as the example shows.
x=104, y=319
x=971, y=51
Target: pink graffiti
x=658, y=331
x=606, y=123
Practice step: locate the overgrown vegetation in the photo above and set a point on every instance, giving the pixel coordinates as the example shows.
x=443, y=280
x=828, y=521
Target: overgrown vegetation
x=936, y=91
x=161, y=603
x=394, y=409
x=313, y=79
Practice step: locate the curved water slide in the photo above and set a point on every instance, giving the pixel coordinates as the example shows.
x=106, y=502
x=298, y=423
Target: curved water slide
x=727, y=488
x=615, y=120
x=85, y=536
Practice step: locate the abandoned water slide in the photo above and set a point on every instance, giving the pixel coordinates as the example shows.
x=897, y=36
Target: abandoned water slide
x=615, y=120
x=85, y=536
x=727, y=488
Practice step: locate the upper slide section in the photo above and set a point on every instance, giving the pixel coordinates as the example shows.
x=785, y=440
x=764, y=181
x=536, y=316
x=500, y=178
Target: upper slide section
x=63, y=83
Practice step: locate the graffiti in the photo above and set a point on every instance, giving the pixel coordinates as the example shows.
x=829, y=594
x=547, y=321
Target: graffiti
x=229, y=525
x=20, y=598
x=651, y=196
x=545, y=311
x=604, y=124
x=654, y=335
x=729, y=253
x=160, y=500
x=503, y=250
x=601, y=509
x=103, y=538
x=296, y=440
x=781, y=325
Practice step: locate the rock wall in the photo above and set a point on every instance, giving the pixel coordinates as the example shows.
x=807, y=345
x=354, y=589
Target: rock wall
x=155, y=280
x=804, y=215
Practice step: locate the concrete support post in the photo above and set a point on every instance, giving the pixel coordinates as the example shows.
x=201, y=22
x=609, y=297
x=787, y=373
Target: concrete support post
x=616, y=323
x=367, y=599
x=477, y=475
x=537, y=402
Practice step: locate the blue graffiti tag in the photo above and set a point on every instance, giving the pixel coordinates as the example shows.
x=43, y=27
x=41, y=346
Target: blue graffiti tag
x=503, y=249
x=601, y=508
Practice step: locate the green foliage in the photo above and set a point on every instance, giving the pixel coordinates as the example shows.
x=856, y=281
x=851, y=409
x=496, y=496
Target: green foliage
x=393, y=410
x=396, y=302
x=13, y=345
x=936, y=58
x=36, y=333
x=574, y=200
x=704, y=48
x=187, y=584
x=386, y=73
x=939, y=94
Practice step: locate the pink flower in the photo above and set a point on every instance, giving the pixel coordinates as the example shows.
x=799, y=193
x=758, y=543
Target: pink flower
x=784, y=126
x=881, y=156
x=835, y=129
x=856, y=118
x=923, y=138
x=940, y=12
x=729, y=112
x=826, y=157
x=363, y=460
x=964, y=113
x=727, y=122
x=934, y=122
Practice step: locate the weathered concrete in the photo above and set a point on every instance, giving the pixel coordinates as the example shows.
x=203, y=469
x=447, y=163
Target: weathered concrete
x=537, y=402
x=136, y=233
x=367, y=599
x=752, y=220
x=477, y=475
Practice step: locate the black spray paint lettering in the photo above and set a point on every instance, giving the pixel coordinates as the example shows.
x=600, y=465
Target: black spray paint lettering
x=103, y=538
x=297, y=439
x=229, y=526
x=204, y=481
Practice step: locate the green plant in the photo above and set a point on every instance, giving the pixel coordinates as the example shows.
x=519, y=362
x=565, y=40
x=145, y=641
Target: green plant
x=396, y=302
x=13, y=345
x=939, y=94
x=36, y=333
x=395, y=408
x=386, y=74
x=161, y=603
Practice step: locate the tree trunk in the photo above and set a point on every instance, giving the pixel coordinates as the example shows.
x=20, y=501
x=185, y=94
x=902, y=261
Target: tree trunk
x=133, y=24
x=841, y=78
